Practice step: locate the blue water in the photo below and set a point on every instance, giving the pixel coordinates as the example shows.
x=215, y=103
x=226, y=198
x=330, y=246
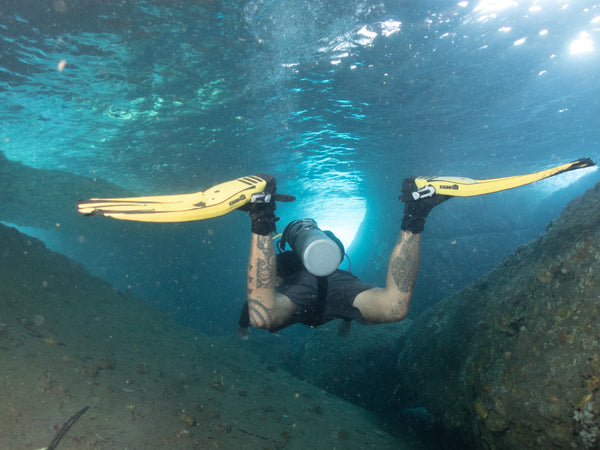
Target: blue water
x=340, y=100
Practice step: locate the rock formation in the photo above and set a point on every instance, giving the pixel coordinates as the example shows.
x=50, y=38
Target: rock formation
x=513, y=361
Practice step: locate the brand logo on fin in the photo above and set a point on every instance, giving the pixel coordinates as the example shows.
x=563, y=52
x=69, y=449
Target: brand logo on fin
x=450, y=187
x=237, y=200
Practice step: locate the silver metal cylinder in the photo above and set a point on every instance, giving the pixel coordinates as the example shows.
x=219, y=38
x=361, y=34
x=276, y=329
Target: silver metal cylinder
x=321, y=255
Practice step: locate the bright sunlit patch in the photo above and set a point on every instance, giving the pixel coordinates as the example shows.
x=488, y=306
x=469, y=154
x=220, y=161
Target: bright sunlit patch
x=543, y=32
x=390, y=27
x=360, y=37
x=519, y=41
x=343, y=223
x=504, y=29
x=342, y=215
x=369, y=34
x=595, y=20
x=329, y=196
x=493, y=6
x=584, y=44
x=463, y=4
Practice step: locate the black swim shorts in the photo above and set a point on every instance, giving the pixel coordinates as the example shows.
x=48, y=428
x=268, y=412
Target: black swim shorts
x=301, y=287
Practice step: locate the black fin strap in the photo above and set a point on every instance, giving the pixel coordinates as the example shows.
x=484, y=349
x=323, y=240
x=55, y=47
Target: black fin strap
x=244, y=321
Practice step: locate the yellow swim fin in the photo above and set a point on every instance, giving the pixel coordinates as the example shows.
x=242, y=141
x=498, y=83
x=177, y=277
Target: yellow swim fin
x=468, y=187
x=214, y=202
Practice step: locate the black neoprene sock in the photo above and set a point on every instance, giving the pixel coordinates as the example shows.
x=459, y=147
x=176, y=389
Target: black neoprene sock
x=262, y=213
x=263, y=218
x=416, y=211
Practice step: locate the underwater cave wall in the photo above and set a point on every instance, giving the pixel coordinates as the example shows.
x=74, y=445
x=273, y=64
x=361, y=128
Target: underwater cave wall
x=513, y=361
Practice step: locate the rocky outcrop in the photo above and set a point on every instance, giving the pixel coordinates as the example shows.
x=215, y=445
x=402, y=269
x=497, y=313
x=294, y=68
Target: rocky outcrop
x=359, y=368
x=514, y=360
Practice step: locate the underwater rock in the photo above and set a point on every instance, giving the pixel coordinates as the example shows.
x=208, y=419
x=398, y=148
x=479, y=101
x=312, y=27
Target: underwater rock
x=359, y=367
x=513, y=361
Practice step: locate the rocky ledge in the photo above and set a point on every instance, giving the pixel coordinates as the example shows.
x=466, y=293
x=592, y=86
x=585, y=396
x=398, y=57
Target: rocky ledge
x=514, y=360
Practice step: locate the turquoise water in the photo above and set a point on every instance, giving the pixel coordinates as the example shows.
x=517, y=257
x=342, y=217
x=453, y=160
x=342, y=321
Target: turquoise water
x=340, y=100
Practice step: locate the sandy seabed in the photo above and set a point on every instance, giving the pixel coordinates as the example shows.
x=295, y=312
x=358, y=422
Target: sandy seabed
x=70, y=341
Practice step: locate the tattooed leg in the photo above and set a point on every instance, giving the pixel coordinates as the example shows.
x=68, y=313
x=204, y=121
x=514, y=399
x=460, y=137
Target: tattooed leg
x=266, y=308
x=404, y=262
x=391, y=303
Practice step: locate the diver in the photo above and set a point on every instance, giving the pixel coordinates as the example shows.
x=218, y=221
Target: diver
x=313, y=290
x=305, y=286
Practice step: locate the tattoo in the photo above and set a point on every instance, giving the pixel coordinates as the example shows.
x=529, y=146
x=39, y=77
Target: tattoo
x=259, y=313
x=264, y=244
x=263, y=274
x=260, y=282
x=265, y=267
x=249, y=280
x=405, y=263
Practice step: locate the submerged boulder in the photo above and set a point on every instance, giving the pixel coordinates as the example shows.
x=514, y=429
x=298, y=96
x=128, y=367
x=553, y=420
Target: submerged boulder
x=359, y=367
x=513, y=361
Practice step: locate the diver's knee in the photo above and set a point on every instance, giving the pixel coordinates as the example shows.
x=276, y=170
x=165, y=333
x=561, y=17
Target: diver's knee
x=398, y=311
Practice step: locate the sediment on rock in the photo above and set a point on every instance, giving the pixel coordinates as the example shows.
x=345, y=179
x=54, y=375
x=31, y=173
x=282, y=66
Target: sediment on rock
x=513, y=360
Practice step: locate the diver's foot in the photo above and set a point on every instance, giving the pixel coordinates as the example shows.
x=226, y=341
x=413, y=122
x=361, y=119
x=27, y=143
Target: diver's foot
x=417, y=210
